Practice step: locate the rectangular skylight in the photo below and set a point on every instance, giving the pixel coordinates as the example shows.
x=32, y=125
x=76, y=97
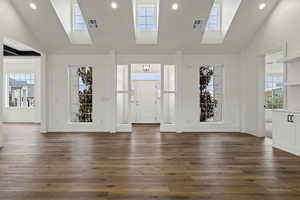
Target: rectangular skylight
x=78, y=21
x=219, y=20
x=146, y=18
x=72, y=20
x=214, y=19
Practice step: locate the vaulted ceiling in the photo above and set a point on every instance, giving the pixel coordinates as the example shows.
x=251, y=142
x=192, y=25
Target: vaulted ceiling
x=116, y=27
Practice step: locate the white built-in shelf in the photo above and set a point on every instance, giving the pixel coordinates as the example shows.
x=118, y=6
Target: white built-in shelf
x=292, y=84
x=289, y=59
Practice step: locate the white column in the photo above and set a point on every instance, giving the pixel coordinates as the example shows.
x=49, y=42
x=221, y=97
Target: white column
x=43, y=96
x=1, y=90
x=179, y=114
x=113, y=100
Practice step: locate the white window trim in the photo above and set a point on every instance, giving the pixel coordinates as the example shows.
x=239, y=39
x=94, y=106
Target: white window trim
x=223, y=96
x=70, y=96
x=7, y=91
x=283, y=88
x=163, y=123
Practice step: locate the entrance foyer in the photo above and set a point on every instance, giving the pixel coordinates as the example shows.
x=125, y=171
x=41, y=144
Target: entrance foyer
x=146, y=94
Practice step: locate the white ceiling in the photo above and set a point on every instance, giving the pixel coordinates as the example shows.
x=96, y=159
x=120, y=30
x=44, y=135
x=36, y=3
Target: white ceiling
x=17, y=45
x=116, y=28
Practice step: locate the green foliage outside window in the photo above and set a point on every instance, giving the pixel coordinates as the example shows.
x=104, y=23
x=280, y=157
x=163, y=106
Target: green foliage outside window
x=273, y=99
x=85, y=94
x=207, y=102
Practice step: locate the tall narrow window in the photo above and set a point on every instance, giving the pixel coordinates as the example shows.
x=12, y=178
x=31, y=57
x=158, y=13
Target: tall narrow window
x=21, y=90
x=169, y=94
x=78, y=21
x=146, y=18
x=211, y=93
x=214, y=19
x=123, y=97
x=81, y=85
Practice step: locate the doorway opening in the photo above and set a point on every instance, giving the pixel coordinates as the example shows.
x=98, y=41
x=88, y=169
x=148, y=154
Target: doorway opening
x=21, y=83
x=145, y=93
x=20, y=89
x=145, y=96
x=274, y=88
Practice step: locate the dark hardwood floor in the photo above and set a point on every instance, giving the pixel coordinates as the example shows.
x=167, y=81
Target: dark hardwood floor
x=145, y=165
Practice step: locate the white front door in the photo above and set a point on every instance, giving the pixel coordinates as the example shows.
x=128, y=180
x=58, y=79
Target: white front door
x=146, y=102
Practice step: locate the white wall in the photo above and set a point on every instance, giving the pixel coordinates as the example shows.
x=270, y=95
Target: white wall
x=58, y=102
x=103, y=73
x=12, y=26
x=22, y=65
x=280, y=27
x=231, y=95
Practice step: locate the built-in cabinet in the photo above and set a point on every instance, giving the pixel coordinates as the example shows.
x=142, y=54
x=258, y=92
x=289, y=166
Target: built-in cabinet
x=286, y=131
x=286, y=123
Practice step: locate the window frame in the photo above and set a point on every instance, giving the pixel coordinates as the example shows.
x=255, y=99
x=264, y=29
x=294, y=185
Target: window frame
x=70, y=95
x=7, y=89
x=167, y=90
x=270, y=80
x=223, y=94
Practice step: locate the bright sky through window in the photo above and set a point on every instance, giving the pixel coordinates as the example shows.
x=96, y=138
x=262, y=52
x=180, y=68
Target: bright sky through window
x=78, y=21
x=21, y=87
x=213, y=23
x=145, y=18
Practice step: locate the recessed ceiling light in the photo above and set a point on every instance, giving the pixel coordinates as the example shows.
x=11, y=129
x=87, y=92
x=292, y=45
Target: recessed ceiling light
x=262, y=6
x=33, y=6
x=175, y=6
x=114, y=5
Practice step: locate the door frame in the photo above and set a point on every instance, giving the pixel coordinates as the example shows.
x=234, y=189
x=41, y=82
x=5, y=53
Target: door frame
x=261, y=129
x=128, y=127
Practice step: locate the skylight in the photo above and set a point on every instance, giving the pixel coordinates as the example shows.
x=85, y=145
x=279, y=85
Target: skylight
x=219, y=20
x=72, y=20
x=78, y=21
x=146, y=18
x=214, y=19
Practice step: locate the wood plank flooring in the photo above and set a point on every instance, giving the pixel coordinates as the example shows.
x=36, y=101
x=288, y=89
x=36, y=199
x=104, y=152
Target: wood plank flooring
x=144, y=165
